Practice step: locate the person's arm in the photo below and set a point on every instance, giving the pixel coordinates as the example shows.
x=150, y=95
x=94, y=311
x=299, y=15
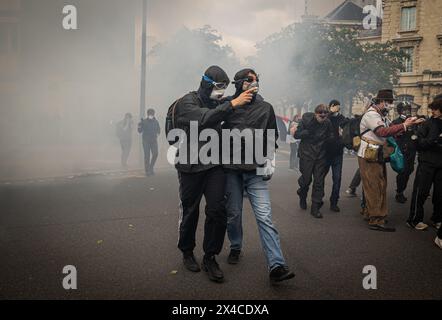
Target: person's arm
x=393, y=130
x=158, y=128
x=301, y=132
x=189, y=110
x=272, y=125
x=375, y=123
x=140, y=126
x=343, y=121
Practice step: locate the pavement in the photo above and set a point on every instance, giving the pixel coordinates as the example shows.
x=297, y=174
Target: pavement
x=119, y=230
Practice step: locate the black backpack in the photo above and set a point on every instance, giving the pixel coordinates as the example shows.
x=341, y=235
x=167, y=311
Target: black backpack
x=350, y=131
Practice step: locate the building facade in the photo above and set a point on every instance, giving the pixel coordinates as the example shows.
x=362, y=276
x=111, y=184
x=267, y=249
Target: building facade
x=415, y=26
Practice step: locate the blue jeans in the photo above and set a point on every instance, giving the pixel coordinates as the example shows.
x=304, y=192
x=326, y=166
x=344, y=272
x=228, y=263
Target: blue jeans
x=259, y=196
x=336, y=167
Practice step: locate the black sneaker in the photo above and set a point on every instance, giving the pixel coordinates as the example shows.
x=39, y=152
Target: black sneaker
x=401, y=198
x=315, y=212
x=190, y=262
x=210, y=266
x=281, y=273
x=233, y=256
x=335, y=208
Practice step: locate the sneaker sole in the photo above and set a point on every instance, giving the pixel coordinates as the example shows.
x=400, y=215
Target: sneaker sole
x=287, y=277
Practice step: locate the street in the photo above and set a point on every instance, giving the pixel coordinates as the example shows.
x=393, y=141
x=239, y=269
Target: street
x=120, y=232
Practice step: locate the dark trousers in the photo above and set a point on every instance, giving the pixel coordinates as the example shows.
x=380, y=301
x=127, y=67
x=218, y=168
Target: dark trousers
x=426, y=176
x=211, y=184
x=356, y=181
x=335, y=164
x=150, y=148
x=126, y=145
x=403, y=177
x=294, y=160
x=315, y=170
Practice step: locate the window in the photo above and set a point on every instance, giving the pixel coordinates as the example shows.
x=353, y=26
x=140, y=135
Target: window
x=408, y=19
x=408, y=61
x=405, y=98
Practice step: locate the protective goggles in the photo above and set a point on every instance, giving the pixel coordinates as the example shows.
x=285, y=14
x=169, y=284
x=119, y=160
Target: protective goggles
x=217, y=85
x=247, y=79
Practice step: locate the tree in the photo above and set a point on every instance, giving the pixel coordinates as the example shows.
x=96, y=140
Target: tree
x=317, y=62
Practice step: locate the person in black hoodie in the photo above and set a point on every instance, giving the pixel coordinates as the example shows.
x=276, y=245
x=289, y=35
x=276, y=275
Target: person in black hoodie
x=315, y=132
x=336, y=151
x=429, y=170
x=407, y=148
x=198, y=179
x=252, y=176
x=150, y=130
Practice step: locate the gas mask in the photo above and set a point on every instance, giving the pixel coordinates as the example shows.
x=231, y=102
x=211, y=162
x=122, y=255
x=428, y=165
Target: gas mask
x=217, y=94
x=248, y=86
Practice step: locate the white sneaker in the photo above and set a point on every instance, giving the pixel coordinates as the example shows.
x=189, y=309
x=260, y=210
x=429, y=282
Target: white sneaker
x=421, y=226
x=438, y=242
x=437, y=225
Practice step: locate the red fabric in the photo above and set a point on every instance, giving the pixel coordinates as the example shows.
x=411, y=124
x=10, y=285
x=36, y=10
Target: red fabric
x=390, y=131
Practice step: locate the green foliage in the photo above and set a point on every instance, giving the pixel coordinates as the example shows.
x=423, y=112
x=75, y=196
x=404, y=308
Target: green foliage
x=318, y=62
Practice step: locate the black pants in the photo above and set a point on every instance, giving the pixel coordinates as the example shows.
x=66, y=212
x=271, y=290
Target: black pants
x=294, y=160
x=402, y=178
x=315, y=170
x=150, y=148
x=211, y=184
x=356, y=181
x=426, y=176
x=126, y=145
x=335, y=164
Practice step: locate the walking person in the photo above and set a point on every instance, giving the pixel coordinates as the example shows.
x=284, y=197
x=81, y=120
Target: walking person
x=150, y=130
x=407, y=148
x=294, y=144
x=197, y=179
x=314, y=131
x=257, y=115
x=124, y=134
x=372, y=156
x=335, y=151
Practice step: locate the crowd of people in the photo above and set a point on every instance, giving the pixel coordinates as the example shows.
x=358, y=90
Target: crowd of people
x=318, y=141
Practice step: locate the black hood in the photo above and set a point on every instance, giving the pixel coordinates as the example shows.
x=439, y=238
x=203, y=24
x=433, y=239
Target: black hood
x=216, y=74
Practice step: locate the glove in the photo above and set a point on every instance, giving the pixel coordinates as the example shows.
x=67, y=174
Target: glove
x=269, y=169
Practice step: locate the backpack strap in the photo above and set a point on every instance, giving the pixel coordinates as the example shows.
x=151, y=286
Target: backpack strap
x=366, y=131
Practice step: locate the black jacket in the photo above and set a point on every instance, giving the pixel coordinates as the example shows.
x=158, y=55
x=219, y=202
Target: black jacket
x=150, y=128
x=404, y=140
x=192, y=108
x=314, y=137
x=336, y=145
x=429, y=142
x=259, y=114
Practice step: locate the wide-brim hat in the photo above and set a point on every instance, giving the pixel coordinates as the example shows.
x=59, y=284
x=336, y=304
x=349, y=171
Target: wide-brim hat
x=385, y=95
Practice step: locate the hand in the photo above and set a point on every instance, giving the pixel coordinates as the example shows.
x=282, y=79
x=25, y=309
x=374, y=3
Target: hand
x=410, y=121
x=292, y=130
x=244, y=98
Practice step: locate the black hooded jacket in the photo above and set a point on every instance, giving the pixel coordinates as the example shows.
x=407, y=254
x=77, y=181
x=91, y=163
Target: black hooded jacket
x=314, y=137
x=429, y=142
x=197, y=106
x=258, y=114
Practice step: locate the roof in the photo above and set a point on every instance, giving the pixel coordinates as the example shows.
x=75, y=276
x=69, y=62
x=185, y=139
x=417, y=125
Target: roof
x=346, y=11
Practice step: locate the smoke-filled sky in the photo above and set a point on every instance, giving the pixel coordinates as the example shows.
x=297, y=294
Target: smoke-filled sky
x=242, y=23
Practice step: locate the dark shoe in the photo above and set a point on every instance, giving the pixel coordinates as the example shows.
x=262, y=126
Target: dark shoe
x=335, y=208
x=401, y=198
x=351, y=192
x=190, y=262
x=233, y=256
x=281, y=273
x=381, y=227
x=315, y=211
x=210, y=266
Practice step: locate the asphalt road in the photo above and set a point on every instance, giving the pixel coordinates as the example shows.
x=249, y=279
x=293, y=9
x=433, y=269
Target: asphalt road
x=120, y=232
